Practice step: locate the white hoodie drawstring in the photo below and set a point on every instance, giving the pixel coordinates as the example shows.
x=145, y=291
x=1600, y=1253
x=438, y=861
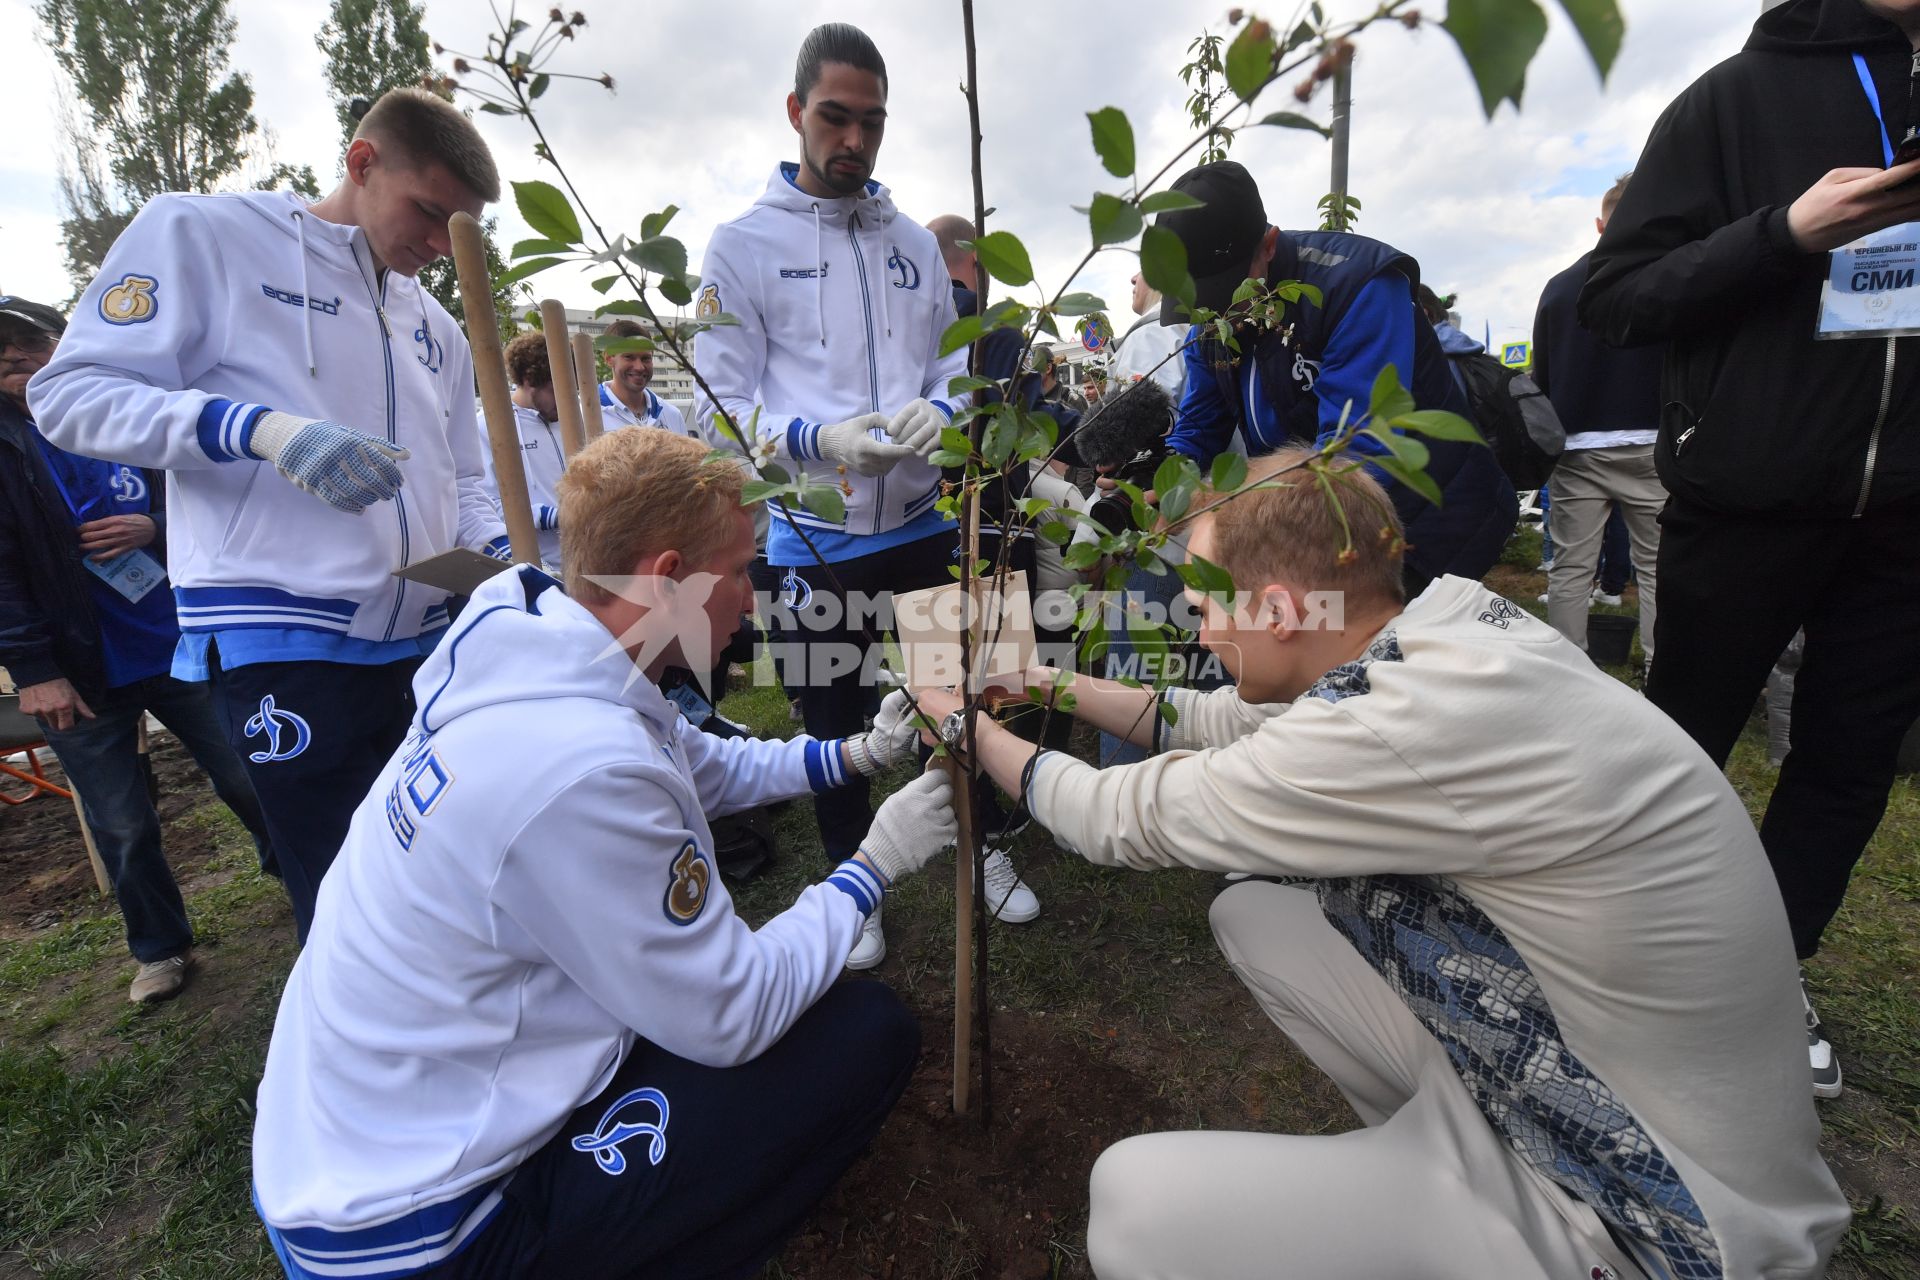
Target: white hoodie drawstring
x=820, y=274
x=306, y=299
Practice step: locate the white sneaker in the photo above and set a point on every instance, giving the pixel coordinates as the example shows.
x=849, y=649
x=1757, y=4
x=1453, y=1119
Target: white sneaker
x=160, y=980
x=1008, y=897
x=871, y=947
x=1826, y=1067
x=1602, y=597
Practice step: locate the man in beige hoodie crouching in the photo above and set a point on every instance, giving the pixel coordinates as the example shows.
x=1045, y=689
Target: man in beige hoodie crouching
x=1534, y=939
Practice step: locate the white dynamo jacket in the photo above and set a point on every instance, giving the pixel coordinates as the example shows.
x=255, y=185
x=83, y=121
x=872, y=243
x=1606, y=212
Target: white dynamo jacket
x=212, y=309
x=841, y=305
x=493, y=935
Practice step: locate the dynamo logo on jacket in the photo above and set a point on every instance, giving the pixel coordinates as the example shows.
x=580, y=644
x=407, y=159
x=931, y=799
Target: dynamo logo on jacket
x=604, y=1142
x=274, y=723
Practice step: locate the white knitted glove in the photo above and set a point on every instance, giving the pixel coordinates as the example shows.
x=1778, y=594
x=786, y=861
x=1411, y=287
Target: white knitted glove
x=852, y=444
x=346, y=469
x=917, y=427
x=893, y=737
x=914, y=824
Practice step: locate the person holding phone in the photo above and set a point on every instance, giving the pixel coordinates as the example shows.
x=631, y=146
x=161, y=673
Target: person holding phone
x=1789, y=443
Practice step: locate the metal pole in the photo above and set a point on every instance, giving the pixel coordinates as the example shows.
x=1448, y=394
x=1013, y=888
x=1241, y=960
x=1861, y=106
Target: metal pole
x=1342, y=130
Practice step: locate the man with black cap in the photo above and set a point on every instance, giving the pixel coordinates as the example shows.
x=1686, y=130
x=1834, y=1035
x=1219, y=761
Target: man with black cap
x=87, y=631
x=1296, y=383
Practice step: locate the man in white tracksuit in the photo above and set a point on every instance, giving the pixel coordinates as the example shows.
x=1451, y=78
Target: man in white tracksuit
x=528, y=1035
x=842, y=301
x=626, y=398
x=536, y=416
x=282, y=362
x=1532, y=937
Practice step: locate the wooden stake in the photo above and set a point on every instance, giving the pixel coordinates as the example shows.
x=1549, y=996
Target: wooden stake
x=566, y=388
x=963, y=858
x=496, y=399
x=587, y=371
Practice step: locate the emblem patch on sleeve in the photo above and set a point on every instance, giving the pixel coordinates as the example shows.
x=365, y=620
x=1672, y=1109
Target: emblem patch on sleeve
x=709, y=305
x=130, y=301
x=691, y=876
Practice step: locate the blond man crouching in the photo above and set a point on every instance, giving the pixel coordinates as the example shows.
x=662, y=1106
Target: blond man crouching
x=528, y=1034
x=1533, y=938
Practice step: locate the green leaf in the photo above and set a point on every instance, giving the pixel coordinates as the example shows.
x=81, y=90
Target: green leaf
x=1081, y=555
x=1410, y=451
x=1418, y=481
x=1601, y=28
x=1168, y=712
x=996, y=443
x=949, y=458
x=1005, y=258
x=679, y=291
x=1007, y=314
x=521, y=270
x=608, y=345
x=1294, y=290
x=1389, y=399
x=654, y=223
x=1498, y=38
x=955, y=439
x=757, y=490
x=1174, y=471
x=1163, y=263
x=1057, y=533
x=1205, y=576
x=1167, y=201
x=547, y=211
x=1229, y=473
x=1149, y=641
x=961, y=333
x=1440, y=425
x=1112, y=219
x=1078, y=304
x=495, y=109
x=1294, y=120
x=824, y=501
x=605, y=283
x=662, y=255
x=967, y=382
x=1249, y=60
x=1113, y=139
x=539, y=85
x=622, y=307
x=528, y=248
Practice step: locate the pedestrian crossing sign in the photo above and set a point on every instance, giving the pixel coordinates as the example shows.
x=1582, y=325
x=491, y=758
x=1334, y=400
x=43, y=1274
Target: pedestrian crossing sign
x=1516, y=355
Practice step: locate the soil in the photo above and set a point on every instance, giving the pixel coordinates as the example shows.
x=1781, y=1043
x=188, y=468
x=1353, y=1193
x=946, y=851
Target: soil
x=45, y=876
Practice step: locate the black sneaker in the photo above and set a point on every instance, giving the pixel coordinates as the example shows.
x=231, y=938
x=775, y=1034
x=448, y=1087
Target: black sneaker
x=1826, y=1067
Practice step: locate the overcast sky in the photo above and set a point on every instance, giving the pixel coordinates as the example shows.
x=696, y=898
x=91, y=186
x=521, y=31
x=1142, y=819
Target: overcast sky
x=698, y=120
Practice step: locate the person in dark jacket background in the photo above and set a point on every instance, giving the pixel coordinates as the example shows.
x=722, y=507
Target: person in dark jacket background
x=1792, y=465
x=1292, y=385
x=1609, y=402
x=87, y=631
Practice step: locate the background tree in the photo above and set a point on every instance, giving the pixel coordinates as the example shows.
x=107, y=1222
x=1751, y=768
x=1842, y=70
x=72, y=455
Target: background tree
x=154, y=108
x=372, y=46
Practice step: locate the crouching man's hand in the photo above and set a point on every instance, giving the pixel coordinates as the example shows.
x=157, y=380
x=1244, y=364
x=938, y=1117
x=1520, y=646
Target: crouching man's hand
x=891, y=739
x=915, y=823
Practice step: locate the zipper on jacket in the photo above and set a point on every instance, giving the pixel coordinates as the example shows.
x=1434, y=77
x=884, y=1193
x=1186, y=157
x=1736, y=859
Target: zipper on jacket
x=379, y=299
x=1873, y=437
x=873, y=361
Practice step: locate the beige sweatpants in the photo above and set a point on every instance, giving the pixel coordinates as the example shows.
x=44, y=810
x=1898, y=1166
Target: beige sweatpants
x=1427, y=1190
x=1586, y=484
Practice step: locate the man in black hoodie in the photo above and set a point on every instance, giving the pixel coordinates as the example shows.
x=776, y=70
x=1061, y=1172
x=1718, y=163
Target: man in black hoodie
x=1793, y=464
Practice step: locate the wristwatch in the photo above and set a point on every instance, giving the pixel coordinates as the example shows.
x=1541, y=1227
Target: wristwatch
x=953, y=726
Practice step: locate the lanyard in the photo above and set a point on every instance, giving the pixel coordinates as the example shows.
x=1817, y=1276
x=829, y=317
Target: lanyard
x=77, y=509
x=1873, y=98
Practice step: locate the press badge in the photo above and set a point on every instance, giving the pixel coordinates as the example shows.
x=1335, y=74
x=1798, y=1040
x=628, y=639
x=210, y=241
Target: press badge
x=133, y=574
x=1871, y=290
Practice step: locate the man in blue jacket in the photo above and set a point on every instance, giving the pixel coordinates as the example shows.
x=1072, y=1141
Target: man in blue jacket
x=1294, y=384
x=87, y=631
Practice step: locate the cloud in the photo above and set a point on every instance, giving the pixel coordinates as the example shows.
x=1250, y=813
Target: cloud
x=698, y=120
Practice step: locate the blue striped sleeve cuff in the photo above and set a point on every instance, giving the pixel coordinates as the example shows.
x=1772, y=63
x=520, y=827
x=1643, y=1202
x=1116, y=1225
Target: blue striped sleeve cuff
x=946, y=410
x=225, y=429
x=826, y=764
x=803, y=440
x=500, y=548
x=859, y=882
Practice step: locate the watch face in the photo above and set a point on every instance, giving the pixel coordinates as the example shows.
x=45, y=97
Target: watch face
x=952, y=727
